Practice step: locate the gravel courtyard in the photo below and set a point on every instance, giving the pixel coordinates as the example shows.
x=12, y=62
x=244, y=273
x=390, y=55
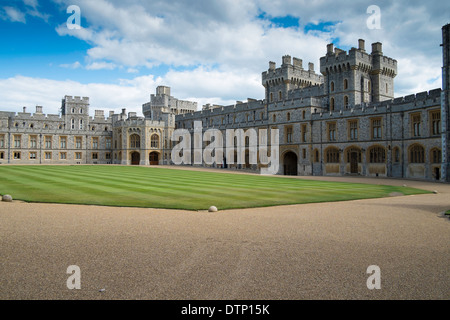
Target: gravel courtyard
x=311, y=251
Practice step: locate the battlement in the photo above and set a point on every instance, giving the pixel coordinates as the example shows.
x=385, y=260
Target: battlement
x=291, y=71
x=240, y=106
x=76, y=99
x=163, y=102
x=30, y=116
x=297, y=103
x=401, y=104
x=135, y=121
x=337, y=60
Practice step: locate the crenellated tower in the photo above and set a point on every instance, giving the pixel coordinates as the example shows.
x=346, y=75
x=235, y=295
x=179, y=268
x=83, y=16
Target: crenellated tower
x=75, y=111
x=162, y=103
x=291, y=75
x=356, y=77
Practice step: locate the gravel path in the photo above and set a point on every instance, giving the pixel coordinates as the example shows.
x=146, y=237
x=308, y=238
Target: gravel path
x=311, y=251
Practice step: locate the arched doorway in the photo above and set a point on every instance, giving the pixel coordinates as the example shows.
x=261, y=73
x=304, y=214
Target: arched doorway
x=154, y=158
x=135, y=158
x=290, y=164
x=354, y=158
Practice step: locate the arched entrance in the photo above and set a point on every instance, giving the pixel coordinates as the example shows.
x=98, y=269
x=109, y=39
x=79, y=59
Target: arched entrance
x=354, y=158
x=135, y=158
x=154, y=158
x=290, y=164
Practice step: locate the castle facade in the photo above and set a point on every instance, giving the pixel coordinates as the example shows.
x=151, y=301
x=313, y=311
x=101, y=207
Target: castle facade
x=342, y=120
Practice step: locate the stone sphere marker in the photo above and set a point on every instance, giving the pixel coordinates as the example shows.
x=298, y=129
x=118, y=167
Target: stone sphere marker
x=7, y=198
x=213, y=209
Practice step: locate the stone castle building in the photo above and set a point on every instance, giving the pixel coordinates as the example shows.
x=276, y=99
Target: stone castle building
x=341, y=120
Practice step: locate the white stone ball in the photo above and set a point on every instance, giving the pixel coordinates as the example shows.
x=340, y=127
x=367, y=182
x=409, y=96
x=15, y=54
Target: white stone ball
x=7, y=198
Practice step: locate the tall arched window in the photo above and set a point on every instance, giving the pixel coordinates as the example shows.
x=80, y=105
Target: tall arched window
x=345, y=84
x=436, y=156
x=155, y=141
x=346, y=101
x=417, y=154
x=332, y=86
x=288, y=116
x=377, y=154
x=362, y=90
x=396, y=155
x=316, y=156
x=135, y=141
x=332, y=104
x=332, y=155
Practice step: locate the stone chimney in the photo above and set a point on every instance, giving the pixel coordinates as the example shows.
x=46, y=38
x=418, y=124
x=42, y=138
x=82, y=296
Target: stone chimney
x=362, y=45
x=272, y=65
x=377, y=48
x=298, y=62
x=330, y=48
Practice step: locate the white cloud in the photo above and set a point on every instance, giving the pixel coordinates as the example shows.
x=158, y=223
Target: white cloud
x=75, y=65
x=226, y=47
x=31, y=3
x=227, y=34
x=101, y=66
x=200, y=85
x=13, y=15
x=22, y=91
x=132, y=70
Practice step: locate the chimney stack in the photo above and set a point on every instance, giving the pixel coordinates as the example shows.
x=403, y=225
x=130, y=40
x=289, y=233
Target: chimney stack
x=362, y=45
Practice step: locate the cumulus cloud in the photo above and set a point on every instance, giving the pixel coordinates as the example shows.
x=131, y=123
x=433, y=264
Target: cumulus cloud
x=20, y=12
x=216, y=50
x=75, y=65
x=201, y=85
x=22, y=91
x=12, y=14
x=228, y=34
x=101, y=66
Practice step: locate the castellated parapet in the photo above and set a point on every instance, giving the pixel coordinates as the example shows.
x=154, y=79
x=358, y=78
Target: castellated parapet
x=163, y=102
x=291, y=75
x=355, y=77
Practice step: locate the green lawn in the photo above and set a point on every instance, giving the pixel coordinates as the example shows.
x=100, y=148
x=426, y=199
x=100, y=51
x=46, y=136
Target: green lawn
x=175, y=189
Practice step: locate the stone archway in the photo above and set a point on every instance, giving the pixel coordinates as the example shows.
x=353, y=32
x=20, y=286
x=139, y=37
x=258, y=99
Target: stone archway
x=290, y=164
x=154, y=158
x=135, y=158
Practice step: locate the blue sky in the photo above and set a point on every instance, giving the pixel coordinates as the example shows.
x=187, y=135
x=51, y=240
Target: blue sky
x=208, y=51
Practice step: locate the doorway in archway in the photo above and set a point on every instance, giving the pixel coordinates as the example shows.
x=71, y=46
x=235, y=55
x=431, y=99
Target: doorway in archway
x=290, y=164
x=135, y=158
x=154, y=158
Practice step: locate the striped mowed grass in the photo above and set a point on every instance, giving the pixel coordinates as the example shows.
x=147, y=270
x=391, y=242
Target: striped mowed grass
x=153, y=187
